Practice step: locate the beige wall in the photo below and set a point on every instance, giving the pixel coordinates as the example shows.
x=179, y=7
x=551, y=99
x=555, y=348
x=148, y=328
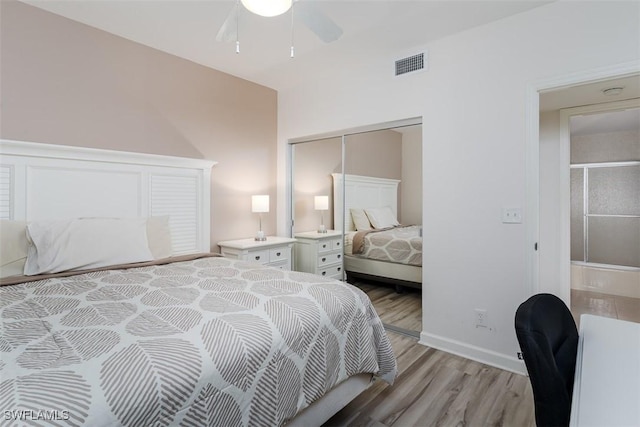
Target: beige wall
x=411, y=202
x=66, y=83
x=384, y=154
x=377, y=153
x=314, y=162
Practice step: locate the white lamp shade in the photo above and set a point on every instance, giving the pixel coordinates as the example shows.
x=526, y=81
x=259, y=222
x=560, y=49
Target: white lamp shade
x=321, y=203
x=260, y=203
x=267, y=7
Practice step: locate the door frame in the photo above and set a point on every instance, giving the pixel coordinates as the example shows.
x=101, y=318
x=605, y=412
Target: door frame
x=532, y=167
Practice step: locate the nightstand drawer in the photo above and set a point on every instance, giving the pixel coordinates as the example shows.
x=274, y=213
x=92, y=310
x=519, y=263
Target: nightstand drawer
x=284, y=265
x=328, y=259
x=274, y=251
x=324, y=246
x=329, y=245
x=334, y=271
x=258, y=256
x=279, y=254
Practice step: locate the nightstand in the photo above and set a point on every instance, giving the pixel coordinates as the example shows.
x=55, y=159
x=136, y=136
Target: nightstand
x=275, y=251
x=319, y=253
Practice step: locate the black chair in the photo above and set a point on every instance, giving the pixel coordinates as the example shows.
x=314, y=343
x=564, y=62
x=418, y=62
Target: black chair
x=549, y=342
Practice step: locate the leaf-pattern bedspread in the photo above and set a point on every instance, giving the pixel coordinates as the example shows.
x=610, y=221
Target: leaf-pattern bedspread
x=210, y=341
x=401, y=245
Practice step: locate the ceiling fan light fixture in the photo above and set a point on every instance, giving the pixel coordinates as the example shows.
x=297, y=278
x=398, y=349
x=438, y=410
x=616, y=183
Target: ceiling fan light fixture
x=612, y=91
x=267, y=7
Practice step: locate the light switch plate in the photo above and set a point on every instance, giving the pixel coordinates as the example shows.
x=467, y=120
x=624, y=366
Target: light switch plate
x=512, y=215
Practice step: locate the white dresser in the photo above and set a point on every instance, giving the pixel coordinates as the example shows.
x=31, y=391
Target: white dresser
x=320, y=253
x=275, y=251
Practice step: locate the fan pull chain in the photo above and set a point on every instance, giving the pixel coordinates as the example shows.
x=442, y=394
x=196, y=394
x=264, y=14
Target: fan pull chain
x=292, y=48
x=237, y=26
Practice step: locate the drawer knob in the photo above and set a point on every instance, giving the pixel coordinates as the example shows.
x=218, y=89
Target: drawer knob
x=257, y=257
x=339, y=268
x=337, y=243
x=339, y=256
x=278, y=253
x=324, y=273
x=324, y=259
x=324, y=246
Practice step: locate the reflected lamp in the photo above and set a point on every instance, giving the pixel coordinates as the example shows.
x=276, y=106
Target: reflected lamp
x=321, y=203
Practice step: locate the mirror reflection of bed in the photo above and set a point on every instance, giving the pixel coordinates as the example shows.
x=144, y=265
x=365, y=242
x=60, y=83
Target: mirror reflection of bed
x=369, y=171
x=382, y=255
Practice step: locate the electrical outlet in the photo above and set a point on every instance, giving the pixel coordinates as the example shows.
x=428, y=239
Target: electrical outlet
x=512, y=215
x=481, y=318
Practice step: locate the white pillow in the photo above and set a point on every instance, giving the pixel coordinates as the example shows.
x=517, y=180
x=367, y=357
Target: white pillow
x=85, y=243
x=13, y=247
x=159, y=236
x=382, y=217
x=360, y=219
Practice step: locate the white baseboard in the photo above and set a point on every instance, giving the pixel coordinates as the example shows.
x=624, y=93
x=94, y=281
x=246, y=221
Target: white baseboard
x=482, y=355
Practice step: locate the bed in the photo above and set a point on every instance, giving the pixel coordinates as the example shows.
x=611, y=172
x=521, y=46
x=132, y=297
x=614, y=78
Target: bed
x=389, y=253
x=170, y=334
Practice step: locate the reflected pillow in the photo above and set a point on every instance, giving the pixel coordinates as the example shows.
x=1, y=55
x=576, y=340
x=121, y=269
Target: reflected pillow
x=360, y=220
x=382, y=217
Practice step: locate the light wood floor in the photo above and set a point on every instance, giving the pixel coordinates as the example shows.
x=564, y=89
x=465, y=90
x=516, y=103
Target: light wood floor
x=402, y=310
x=435, y=388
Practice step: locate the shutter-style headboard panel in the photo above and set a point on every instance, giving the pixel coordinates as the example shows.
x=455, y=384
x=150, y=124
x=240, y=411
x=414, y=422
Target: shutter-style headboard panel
x=45, y=181
x=361, y=192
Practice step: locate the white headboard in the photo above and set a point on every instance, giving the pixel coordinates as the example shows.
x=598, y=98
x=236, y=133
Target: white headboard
x=361, y=192
x=45, y=181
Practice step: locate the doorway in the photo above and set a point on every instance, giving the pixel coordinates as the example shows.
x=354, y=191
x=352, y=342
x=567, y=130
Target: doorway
x=556, y=107
x=604, y=144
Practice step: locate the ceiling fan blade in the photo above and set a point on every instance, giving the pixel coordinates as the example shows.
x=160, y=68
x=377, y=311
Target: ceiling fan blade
x=229, y=29
x=323, y=26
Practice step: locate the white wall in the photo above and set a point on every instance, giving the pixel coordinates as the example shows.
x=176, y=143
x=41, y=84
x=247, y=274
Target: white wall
x=472, y=101
x=550, y=233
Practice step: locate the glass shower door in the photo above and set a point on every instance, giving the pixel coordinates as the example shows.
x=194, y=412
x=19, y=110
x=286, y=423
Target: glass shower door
x=606, y=205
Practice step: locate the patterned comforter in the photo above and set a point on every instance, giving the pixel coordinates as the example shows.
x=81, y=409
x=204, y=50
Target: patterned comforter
x=210, y=341
x=402, y=245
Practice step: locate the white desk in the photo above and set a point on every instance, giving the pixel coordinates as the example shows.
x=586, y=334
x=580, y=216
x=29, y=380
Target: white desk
x=606, y=390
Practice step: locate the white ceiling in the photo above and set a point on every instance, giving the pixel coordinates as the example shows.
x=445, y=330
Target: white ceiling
x=590, y=94
x=188, y=28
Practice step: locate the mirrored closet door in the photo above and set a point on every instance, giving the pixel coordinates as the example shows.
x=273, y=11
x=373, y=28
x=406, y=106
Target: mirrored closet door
x=373, y=181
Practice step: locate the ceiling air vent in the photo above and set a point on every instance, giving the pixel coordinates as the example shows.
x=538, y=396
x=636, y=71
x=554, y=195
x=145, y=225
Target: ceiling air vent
x=410, y=64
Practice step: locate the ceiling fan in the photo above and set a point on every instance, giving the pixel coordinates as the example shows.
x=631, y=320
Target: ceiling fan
x=305, y=10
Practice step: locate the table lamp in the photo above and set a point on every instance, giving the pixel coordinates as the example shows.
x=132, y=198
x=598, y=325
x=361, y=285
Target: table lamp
x=260, y=205
x=321, y=203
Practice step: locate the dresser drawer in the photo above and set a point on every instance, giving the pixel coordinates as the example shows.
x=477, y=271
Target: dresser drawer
x=334, y=271
x=328, y=259
x=279, y=254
